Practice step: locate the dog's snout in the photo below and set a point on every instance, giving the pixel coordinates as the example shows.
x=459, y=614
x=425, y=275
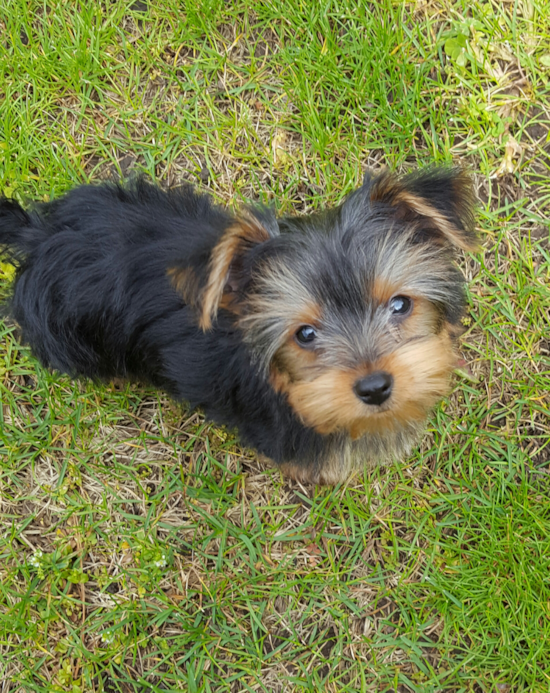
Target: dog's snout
x=374, y=388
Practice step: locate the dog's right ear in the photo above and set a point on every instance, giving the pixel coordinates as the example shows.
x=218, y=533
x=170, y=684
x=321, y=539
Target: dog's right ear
x=227, y=273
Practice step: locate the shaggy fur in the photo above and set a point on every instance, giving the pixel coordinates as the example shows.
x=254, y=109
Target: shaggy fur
x=325, y=340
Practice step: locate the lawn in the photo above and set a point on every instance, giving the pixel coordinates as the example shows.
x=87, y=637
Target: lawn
x=141, y=549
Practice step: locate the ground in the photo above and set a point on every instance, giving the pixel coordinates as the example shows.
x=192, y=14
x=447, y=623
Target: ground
x=141, y=549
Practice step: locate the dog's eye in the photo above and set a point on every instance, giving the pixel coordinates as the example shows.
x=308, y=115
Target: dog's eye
x=400, y=305
x=306, y=335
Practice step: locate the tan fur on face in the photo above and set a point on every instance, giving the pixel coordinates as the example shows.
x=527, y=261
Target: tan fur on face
x=291, y=361
x=235, y=241
x=423, y=320
x=328, y=403
x=324, y=397
x=421, y=370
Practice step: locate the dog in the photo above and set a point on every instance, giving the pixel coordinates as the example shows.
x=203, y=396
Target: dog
x=325, y=340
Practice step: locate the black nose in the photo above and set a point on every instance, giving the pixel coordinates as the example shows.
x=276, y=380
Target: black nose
x=375, y=388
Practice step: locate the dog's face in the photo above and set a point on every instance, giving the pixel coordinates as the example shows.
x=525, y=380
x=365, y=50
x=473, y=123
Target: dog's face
x=352, y=315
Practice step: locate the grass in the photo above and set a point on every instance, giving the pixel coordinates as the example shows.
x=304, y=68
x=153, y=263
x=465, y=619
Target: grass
x=141, y=549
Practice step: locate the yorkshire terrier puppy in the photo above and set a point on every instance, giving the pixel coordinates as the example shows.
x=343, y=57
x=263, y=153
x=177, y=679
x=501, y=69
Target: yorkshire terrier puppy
x=325, y=340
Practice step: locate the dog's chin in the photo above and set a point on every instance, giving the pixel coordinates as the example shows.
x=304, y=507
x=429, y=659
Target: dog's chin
x=389, y=419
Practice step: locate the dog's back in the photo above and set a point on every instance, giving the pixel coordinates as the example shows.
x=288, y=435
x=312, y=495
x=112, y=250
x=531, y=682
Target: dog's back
x=92, y=271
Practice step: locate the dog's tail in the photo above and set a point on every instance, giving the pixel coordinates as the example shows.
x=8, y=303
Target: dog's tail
x=20, y=232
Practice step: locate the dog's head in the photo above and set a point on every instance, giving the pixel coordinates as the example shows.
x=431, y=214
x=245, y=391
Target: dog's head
x=352, y=314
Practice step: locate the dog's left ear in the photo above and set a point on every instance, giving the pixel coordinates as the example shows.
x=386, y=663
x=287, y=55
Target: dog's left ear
x=440, y=200
x=226, y=274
